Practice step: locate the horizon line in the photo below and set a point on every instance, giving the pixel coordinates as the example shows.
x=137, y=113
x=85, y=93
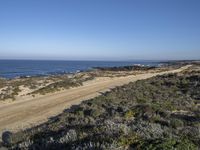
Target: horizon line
x=129, y=60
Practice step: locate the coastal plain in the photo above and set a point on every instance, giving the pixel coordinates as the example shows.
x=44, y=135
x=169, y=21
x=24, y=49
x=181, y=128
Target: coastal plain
x=130, y=107
x=27, y=111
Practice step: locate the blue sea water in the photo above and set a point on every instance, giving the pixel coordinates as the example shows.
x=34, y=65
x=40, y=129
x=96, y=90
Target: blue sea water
x=18, y=68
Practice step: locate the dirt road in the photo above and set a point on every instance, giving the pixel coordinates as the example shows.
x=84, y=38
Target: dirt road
x=26, y=113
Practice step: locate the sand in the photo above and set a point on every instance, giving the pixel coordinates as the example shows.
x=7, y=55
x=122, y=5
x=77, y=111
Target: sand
x=28, y=112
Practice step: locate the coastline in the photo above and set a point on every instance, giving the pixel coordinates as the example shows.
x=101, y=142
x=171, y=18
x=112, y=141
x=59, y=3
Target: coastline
x=32, y=68
x=39, y=109
x=17, y=88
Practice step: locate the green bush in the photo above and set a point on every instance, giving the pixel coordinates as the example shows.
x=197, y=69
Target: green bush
x=175, y=123
x=129, y=114
x=168, y=144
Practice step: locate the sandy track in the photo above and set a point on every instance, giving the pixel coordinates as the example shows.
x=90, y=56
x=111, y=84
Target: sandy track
x=26, y=113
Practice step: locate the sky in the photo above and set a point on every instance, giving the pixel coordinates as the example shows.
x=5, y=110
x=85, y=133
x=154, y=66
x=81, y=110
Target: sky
x=100, y=29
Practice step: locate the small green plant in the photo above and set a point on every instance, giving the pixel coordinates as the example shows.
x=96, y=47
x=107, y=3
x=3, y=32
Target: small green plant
x=129, y=114
x=175, y=123
x=128, y=140
x=141, y=100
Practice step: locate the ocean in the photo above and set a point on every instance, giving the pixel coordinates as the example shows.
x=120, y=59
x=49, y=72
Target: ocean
x=20, y=68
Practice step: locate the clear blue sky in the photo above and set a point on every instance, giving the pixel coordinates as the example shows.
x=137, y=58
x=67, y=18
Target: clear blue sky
x=100, y=29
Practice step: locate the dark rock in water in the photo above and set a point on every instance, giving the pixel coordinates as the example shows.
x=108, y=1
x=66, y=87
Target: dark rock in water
x=7, y=137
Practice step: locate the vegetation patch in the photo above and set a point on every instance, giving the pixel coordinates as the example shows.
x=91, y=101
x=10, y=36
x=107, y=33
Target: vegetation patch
x=153, y=114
